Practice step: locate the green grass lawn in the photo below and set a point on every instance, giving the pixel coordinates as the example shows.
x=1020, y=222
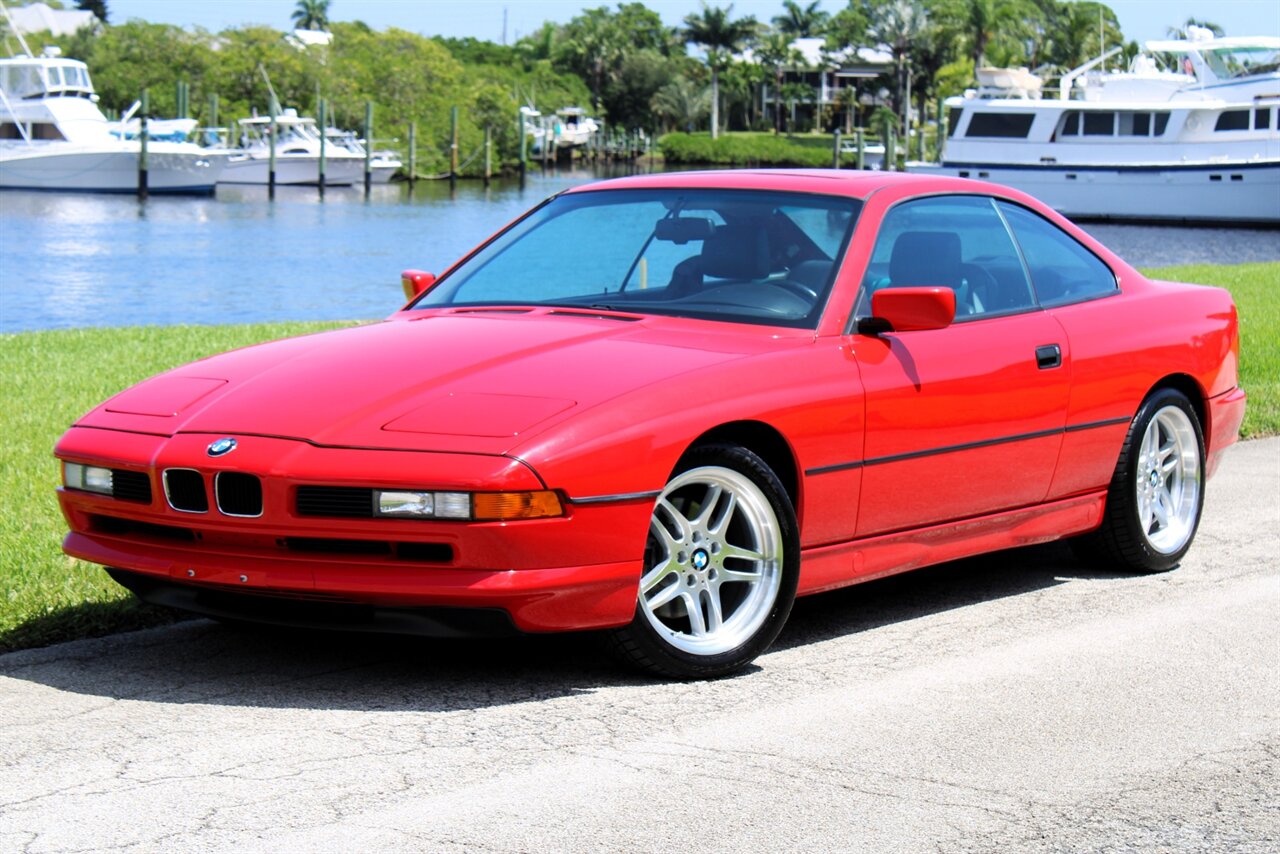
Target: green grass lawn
x=51, y=378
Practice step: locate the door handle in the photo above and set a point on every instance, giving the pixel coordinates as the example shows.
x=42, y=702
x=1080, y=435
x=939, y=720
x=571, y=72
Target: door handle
x=1048, y=356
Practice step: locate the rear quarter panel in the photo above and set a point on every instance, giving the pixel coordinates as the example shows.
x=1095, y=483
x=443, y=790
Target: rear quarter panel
x=1123, y=346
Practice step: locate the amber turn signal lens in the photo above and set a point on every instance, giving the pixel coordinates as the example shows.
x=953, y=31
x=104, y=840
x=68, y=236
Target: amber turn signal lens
x=515, y=505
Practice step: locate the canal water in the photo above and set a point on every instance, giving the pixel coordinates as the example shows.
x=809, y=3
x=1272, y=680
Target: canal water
x=93, y=260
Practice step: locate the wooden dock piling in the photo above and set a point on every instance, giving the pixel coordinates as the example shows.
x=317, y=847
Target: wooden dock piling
x=368, y=146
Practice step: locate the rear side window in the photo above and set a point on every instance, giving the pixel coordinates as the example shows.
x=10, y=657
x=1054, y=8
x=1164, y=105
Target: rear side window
x=1062, y=271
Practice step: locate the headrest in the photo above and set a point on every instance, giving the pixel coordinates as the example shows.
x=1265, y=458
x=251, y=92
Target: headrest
x=926, y=258
x=739, y=251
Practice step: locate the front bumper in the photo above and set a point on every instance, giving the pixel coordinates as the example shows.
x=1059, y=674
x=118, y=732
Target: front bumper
x=577, y=571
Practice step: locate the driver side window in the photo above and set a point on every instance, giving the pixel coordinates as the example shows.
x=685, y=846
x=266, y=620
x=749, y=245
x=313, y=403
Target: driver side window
x=958, y=242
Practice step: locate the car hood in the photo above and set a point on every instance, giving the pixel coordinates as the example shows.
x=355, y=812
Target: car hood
x=471, y=382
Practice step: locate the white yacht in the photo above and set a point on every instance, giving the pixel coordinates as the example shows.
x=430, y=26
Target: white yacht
x=383, y=164
x=573, y=127
x=1195, y=142
x=297, y=154
x=570, y=128
x=54, y=137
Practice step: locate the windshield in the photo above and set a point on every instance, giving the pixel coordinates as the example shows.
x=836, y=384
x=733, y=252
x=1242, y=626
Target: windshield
x=1242, y=61
x=746, y=256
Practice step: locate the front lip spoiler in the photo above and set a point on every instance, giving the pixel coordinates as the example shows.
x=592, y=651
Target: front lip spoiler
x=282, y=609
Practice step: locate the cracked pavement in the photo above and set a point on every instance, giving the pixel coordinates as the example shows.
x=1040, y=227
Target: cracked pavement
x=1020, y=701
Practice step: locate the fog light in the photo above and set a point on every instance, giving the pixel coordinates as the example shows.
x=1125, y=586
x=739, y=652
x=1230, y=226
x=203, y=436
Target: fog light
x=453, y=505
x=420, y=504
x=88, y=478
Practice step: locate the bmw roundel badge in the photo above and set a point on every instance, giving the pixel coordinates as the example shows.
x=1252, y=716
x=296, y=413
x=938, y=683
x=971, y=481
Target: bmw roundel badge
x=222, y=446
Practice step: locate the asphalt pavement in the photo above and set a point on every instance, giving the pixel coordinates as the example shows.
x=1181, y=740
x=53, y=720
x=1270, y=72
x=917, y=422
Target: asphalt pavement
x=1015, y=702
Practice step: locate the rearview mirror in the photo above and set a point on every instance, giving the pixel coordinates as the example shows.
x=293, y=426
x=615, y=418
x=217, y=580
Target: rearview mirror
x=682, y=229
x=909, y=309
x=416, y=282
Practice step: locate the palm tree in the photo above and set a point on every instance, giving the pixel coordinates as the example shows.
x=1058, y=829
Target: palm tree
x=899, y=24
x=311, y=14
x=794, y=92
x=722, y=36
x=978, y=22
x=801, y=22
x=592, y=43
x=776, y=52
x=682, y=103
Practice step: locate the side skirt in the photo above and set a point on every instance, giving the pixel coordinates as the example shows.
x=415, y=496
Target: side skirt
x=842, y=564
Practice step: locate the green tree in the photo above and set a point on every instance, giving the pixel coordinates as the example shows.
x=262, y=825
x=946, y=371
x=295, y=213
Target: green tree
x=598, y=44
x=776, y=53
x=1068, y=34
x=976, y=23
x=591, y=45
x=137, y=55
x=628, y=96
x=311, y=15
x=793, y=93
x=848, y=27
x=721, y=35
x=901, y=25
x=801, y=21
x=682, y=103
x=97, y=7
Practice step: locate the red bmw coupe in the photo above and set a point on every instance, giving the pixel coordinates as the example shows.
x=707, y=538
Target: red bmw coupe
x=665, y=406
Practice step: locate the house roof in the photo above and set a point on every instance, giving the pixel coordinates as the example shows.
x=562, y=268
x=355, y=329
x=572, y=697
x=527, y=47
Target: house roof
x=815, y=55
x=40, y=16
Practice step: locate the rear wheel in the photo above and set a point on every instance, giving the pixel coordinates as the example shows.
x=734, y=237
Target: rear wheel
x=1157, y=491
x=720, y=568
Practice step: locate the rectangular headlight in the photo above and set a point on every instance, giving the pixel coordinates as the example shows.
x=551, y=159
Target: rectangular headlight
x=423, y=505
x=88, y=478
x=480, y=506
x=416, y=504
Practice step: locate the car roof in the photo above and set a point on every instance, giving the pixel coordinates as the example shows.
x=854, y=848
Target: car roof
x=834, y=182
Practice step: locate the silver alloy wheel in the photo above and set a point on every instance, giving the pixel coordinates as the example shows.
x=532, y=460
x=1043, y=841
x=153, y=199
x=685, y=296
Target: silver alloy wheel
x=713, y=565
x=1168, y=480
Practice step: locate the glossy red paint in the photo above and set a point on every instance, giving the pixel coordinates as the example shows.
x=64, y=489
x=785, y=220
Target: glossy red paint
x=898, y=450
x=913, y=309
x=416, y=282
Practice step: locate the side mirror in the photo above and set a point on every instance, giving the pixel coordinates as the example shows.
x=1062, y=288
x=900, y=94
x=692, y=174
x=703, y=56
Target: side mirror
x=416, y=282
x=909, y=309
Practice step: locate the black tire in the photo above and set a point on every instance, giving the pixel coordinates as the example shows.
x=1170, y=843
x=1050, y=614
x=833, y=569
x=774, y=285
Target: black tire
x=1123, y=540
x=760, y=519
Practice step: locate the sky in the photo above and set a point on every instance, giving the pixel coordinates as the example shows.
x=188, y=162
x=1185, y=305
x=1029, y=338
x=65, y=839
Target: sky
x=1139, y=19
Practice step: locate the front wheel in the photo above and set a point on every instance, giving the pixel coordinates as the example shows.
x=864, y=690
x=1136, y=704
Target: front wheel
x=1157, y=492
x=721, y=563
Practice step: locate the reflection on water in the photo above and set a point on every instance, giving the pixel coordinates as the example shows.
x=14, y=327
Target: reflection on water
x=93, y=260
x=1161, y=246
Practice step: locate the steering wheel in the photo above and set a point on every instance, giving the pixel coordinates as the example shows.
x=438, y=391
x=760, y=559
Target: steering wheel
x=802, y=291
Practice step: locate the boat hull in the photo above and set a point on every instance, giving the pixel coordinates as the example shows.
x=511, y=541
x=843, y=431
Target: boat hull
x=294, y=170
x=1245, y=193
x=109, y=171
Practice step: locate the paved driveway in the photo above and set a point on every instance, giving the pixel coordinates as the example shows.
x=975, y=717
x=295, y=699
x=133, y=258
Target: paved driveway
x=1020, y=701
